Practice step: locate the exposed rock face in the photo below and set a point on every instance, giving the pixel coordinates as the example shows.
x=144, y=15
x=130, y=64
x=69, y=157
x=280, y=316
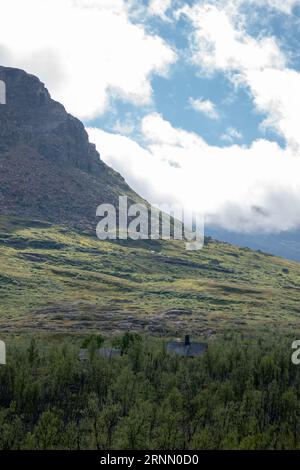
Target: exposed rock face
x=48, y=167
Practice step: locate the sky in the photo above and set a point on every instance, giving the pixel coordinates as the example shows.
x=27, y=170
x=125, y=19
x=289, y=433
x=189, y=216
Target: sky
x=194, y=102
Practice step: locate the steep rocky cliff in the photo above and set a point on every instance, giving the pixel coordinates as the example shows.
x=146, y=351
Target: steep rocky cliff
x=48, y=167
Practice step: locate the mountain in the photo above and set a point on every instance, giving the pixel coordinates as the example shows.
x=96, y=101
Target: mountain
x=56, y=276
x=48, y=167
x=285, y=244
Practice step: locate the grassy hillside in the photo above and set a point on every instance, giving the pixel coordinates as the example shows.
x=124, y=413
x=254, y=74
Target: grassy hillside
x=56, y=279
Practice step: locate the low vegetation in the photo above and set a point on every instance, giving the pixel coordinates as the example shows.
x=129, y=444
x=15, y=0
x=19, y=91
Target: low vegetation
x=56, y=279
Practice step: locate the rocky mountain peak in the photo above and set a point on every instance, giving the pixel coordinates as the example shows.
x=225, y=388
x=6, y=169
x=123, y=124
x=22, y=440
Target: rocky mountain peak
x=32, y=118
x=48, y=168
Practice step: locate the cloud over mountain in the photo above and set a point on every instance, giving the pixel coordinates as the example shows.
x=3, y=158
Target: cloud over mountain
x=240, y=188
x=85, y=50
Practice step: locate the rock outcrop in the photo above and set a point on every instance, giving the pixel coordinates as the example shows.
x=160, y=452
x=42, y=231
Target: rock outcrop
x=48, y=168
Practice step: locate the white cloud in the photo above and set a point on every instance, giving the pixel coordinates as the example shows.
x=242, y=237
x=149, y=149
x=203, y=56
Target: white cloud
x=231, y=135
x=217, y=45
x=206, y=107
x=284, y=6
x=126, y=126
x=159, y=131
x=159, y=7
x=220, y=45
x=238, y=187
x=280, y=6
x=276, y=92
x=85, y=50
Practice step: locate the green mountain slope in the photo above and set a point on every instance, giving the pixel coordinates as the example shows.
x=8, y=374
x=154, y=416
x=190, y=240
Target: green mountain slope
x=56, y=279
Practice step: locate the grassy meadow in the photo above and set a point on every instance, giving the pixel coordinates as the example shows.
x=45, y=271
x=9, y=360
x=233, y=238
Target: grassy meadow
x=55, y=279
